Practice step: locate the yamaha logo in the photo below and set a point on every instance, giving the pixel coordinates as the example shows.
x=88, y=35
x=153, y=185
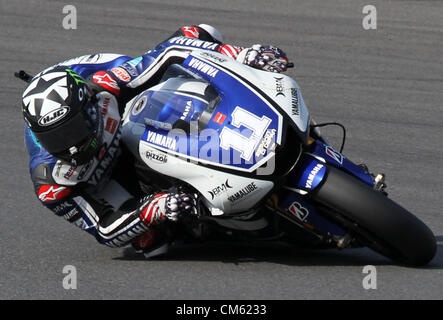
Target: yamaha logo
x=53, y=116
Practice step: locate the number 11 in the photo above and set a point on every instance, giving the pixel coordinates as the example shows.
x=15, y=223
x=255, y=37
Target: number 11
x=245, y=145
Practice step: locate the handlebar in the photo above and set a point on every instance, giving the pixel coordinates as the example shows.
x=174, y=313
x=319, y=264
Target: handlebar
x=23, y=75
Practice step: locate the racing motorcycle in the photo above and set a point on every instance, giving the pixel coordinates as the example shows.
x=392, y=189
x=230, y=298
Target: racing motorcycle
x=242, y=140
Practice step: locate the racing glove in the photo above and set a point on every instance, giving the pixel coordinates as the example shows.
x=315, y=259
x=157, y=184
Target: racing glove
x=267, y=58
x=166, y=206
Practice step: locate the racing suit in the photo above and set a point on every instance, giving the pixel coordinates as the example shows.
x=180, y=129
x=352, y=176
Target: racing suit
x=101, y=197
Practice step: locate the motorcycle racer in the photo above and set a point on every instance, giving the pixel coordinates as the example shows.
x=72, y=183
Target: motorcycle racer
x=78, y=166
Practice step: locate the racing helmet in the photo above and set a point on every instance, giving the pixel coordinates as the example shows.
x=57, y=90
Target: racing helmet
x=63, y=115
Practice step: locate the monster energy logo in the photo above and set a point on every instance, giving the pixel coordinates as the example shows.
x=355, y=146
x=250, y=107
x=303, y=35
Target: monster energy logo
x=94, y=143
x=78, y=79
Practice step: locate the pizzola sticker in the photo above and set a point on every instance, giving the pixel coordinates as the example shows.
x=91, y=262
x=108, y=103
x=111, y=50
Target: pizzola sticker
x=121, y=73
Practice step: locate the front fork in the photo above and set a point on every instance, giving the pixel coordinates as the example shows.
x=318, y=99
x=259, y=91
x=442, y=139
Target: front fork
x=293, y=201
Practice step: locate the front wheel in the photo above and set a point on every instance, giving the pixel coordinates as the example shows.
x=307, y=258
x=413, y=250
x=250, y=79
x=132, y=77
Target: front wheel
x=374, y=219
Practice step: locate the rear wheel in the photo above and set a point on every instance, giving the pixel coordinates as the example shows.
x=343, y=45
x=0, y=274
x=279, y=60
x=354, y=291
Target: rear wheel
x=375, y=220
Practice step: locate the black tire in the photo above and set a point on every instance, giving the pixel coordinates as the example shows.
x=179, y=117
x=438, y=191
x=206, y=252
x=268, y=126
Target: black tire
x=379, y=222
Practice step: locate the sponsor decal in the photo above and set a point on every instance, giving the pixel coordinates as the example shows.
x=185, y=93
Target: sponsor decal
x=106, y=159
x=203, y=67
x=135, y=62
x=219, y=118
x=312, y=175
x=187, y=109
x=130, y=69
x=58, y=168
x=294, y=102
x=121, y=73
x=53, y=116
x=334, y=154
x=139, y=106
x=105, y=80
x=157, y=157
x=279, y=86
x=105, y=106
x=81, y=94
x=111, y=125
x=72, y=215
x=192, y=32
x=266, y=143
x=215, y=192
x=212, y=56
x=81, y=223
x=47, y=193
x=85, y=169
x=102, y=151
x=70, y=172
x=194, y=43
x=93, y=58
x=243, y=192
x=299, y=211
x=77, y=78
x=62, y=207
x=158, y=124
x=162, y=140
x=128, y=235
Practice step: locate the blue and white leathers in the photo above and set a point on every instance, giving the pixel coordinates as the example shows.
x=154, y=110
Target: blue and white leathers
x=91, y=196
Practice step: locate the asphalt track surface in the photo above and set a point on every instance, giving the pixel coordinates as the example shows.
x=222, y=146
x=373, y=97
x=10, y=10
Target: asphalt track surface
x=384, y=85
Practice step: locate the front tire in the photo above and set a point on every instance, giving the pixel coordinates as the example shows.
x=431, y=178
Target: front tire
x=375, y=220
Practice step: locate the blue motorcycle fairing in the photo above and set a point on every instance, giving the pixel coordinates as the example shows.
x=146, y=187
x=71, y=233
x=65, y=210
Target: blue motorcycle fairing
x=167, y=107
x=235, y=95
x=294, y=203
x=311, y=167
x=180, y=45
x=308, y=174
x=336, y=159
x=231, y=114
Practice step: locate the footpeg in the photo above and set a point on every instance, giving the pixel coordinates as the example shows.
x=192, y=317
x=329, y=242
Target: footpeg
x=380, y=184
x=343, y=242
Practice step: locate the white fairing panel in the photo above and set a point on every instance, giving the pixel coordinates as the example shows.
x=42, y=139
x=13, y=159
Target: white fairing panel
x=223, y=192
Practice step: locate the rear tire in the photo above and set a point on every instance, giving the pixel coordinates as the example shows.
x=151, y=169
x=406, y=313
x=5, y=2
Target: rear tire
x=374, y=219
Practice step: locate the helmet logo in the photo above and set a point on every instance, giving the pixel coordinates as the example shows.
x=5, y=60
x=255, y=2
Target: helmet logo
x=53, y=116
x=77, y=78
x=81, y=94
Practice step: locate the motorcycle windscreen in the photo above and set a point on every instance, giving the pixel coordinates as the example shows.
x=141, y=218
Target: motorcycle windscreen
x=162, y=108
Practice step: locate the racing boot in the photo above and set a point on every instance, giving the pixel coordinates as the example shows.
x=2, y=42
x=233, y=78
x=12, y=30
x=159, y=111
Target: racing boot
x=152, y=243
